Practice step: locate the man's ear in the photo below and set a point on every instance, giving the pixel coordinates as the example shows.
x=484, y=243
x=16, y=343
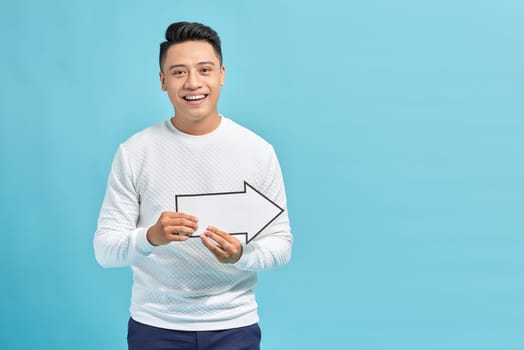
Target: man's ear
x=163, y=81
x=222, y=75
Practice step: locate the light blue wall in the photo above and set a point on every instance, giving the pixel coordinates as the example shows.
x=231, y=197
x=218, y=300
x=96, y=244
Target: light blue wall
x=399, y=126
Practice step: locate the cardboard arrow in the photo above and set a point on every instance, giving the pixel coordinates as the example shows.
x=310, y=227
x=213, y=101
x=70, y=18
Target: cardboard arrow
x=247, y=212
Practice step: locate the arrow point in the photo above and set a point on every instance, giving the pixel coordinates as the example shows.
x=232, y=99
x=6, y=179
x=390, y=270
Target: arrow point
x=265, y=209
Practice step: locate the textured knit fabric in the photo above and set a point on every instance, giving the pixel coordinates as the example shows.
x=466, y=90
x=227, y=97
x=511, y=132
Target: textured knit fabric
x=182, y=285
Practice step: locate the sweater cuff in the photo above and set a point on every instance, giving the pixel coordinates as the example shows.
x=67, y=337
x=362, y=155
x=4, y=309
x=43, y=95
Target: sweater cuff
x=245, y=260
x=142, y=245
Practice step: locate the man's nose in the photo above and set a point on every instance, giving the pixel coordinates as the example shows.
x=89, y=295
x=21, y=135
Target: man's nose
x=193, y=81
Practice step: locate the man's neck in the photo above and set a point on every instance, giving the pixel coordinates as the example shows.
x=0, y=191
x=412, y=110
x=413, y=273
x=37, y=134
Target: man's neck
x=197, y=127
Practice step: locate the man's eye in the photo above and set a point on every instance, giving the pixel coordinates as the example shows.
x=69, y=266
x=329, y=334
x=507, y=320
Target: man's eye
x=205, y=70
x=178, y=72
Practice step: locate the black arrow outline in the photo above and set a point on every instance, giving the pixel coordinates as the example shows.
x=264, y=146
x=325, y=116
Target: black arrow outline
x=240, y=192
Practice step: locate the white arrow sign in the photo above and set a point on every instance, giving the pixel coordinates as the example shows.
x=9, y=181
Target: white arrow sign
x=247, y=212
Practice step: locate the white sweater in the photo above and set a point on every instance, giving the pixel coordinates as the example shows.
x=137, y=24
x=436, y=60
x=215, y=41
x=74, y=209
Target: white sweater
x=181, y=285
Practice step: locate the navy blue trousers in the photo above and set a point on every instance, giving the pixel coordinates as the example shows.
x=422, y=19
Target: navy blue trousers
x=144, y=337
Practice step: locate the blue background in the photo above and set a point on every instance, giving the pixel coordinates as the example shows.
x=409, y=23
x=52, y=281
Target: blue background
x=399, y=127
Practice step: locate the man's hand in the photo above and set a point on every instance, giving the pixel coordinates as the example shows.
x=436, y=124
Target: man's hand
x=171, y=227
x=225, y=247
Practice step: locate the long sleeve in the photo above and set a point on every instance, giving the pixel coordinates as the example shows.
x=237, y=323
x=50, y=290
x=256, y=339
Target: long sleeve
x=272, y=248
x=118, y=242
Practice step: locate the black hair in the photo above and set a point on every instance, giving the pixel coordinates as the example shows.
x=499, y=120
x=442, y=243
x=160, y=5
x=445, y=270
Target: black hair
x=179, y=32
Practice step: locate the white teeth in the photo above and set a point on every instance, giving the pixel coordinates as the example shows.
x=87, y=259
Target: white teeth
x=196, y=97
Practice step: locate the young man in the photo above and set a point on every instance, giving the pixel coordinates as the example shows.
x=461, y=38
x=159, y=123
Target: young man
x=190, y=292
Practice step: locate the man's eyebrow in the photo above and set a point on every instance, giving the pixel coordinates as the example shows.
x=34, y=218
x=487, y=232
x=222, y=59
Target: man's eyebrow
x=176, y=66
x=205, y=62
x=198, y=64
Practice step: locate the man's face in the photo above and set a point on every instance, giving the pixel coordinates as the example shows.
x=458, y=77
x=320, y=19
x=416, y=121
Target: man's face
x=192, y=76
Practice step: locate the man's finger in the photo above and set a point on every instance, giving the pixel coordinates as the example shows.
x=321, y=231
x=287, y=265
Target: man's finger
x=213, y=247
x=179, y=215
x=218, y=238
x=180, y=230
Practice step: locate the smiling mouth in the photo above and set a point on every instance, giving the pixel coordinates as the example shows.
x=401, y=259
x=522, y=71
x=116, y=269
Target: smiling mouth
x=194, y=98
